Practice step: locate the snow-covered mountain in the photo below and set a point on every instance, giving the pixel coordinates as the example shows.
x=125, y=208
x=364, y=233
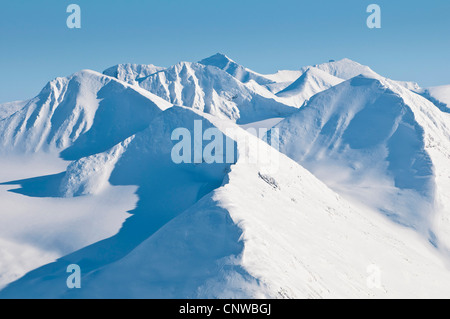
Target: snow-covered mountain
x=82, y=114
x=311, y=82
x=347, y=69
x=380, y=144
x=214, y=91
x=244, y=230
x=89, y=178
x=320, y=77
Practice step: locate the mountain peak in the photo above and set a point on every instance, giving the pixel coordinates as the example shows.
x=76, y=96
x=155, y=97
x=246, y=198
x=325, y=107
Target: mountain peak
x=313, y=71
x=311, y=82
x=70, y=113
x=343, y=61
x=236, y=70
x=219, y=60
x=311, y=74
x=345, y=126
x=347, y=60
x=344, y=68
x=221, y=55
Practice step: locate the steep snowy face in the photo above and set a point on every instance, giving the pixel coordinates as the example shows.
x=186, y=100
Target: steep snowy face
x=214, y=91
x=130, y=73
x=217, y=231
x=377, y=142
x=80, y=115
x=310, y=83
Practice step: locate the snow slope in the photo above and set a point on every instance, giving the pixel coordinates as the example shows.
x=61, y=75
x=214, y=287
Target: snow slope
x=233, y=240
x=214, y=91
x=130, y=73
x=37, y=228
x=379, y=144
x=82, y=114
x=164, y=188
x=311, y=82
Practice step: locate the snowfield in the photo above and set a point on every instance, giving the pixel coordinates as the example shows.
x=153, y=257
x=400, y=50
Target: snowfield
x=36, y=230
x=352, y=203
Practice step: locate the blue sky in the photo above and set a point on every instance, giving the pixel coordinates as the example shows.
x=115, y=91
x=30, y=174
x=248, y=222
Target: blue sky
x=36, y=45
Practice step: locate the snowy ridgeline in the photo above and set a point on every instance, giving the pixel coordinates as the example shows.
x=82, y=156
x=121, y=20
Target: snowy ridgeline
x=352, y=201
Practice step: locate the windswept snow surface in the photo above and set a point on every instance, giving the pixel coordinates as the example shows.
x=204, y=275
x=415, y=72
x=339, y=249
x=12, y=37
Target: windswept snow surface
x=232, y=239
